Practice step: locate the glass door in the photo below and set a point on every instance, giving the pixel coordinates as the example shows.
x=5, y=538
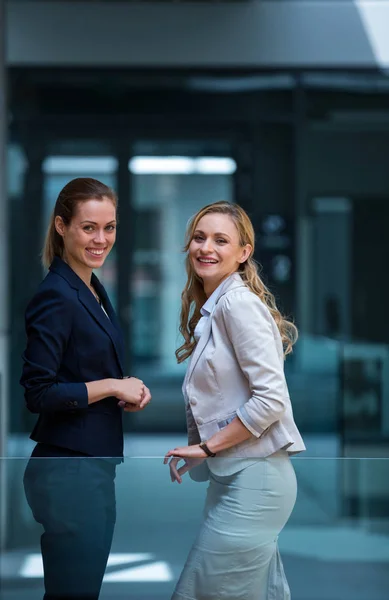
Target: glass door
x=170, y=182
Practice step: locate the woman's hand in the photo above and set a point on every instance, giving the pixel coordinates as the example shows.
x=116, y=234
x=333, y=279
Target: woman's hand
x=127, y=407
x=192, y=456
x=132, y=393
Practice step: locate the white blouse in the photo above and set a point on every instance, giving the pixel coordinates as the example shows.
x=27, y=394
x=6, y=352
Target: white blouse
x=206, y=310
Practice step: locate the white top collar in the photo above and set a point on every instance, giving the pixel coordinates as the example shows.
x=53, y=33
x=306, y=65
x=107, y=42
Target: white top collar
x=209, y=305
x=207, y=308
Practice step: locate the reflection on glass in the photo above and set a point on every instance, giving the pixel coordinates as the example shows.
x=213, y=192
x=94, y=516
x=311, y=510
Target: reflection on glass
x=335, y=545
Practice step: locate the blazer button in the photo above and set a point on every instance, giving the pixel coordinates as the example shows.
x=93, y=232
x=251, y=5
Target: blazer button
x=75, y=403
x=199, y=421
x=193, y=401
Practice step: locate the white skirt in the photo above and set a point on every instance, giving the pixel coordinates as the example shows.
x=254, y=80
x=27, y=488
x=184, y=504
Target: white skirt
x=235, y=555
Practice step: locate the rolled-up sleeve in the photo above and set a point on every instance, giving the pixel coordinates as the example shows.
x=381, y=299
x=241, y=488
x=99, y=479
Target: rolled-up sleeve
x=249, y=327
x=49, y=328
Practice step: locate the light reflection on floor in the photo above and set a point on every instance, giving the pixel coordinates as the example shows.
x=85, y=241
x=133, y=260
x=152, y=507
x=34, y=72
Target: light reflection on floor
x=151, y=571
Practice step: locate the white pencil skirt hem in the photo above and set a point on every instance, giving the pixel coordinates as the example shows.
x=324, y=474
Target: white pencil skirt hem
x=235, y=555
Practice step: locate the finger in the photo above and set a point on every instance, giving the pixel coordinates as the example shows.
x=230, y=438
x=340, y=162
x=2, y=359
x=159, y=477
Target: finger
x=166, y=459
x=174, y=453
x=127, y=406
x=131, y=408
x=184, y=469
x=174, y=474
x=168, y=456
x=146, y=399
x=147, y=393
x=144, y=402
x=124, y=404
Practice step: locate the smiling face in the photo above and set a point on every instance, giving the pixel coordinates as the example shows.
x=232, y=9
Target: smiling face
x=215, y=251
x=89, y=237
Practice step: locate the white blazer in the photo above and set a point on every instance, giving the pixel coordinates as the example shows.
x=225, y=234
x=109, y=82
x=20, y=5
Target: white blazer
x=237, y=369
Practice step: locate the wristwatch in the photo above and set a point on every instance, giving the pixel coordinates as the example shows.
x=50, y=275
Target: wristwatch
x=207, y=451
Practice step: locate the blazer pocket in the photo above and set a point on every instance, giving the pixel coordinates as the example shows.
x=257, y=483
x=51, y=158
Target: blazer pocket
x=222, y=423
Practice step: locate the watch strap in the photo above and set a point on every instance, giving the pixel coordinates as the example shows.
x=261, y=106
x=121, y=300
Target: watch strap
x=207, y=451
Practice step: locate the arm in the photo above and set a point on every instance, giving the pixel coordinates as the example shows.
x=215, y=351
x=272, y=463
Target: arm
x=49, y=327
x=249, y=327
x=233, y=434
x=131, y=392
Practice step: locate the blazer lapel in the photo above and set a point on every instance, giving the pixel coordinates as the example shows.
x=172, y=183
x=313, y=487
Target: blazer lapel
x=118, y=335
x=106, y=302
x=233, y=282
x=199, y=349
x=87, y=299
x=109, y=325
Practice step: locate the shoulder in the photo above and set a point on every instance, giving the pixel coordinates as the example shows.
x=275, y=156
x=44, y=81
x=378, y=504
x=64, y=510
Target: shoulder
x=52, y=290
x=242, y=301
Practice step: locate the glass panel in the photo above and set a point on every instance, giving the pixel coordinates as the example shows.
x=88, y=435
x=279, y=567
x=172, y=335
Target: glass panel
x=313, y=376
x=365, y=387
x=335, y=544
x=170, y=184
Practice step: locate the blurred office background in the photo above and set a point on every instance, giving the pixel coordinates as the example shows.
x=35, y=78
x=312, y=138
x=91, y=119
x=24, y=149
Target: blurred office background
x=279, y=105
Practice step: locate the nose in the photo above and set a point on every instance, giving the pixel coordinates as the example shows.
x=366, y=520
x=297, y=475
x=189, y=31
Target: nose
x=100, y=236
x=207, y=247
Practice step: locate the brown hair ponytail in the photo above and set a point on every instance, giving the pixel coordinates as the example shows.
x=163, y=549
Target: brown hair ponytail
x=77, y=190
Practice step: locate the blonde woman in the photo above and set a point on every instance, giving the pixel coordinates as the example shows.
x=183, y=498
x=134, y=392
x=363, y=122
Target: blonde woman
x=239, y=414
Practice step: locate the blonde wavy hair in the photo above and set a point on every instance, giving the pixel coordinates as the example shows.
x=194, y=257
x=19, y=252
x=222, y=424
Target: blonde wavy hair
x=193, y=296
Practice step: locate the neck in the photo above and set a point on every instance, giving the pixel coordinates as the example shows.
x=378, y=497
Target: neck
x=210, y=286
x=84, y=273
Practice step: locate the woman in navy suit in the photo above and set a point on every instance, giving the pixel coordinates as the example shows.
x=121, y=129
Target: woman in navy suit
x=74, y=380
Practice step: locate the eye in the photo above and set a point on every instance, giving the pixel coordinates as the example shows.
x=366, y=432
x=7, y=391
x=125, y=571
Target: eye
x=110, y=228
x=88, y=228
x=221, y=241
x=198, y=238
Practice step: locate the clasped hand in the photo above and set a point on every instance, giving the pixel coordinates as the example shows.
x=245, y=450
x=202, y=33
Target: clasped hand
x=132, y=394
x=192, y=456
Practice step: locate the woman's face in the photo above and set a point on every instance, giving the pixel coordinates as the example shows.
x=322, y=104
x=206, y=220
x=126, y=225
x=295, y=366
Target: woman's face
x=89, y=237
x=215, y=251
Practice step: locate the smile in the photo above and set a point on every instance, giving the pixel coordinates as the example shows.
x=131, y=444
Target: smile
x=207, y=261
x=96, y=251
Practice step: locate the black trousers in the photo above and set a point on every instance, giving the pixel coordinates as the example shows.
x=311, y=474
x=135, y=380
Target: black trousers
x=73, y=497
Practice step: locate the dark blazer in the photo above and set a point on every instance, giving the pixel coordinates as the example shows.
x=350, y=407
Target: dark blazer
x=70, y=341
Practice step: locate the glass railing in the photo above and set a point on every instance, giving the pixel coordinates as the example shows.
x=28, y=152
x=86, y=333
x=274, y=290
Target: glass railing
x=335, y=545
x=340, y=386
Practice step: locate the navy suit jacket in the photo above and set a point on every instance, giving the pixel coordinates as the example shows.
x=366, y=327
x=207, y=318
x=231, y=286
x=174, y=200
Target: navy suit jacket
x=70, y=341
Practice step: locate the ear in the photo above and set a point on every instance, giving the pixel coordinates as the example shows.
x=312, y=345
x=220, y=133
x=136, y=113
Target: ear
x=59, y=226
x=246, y=251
